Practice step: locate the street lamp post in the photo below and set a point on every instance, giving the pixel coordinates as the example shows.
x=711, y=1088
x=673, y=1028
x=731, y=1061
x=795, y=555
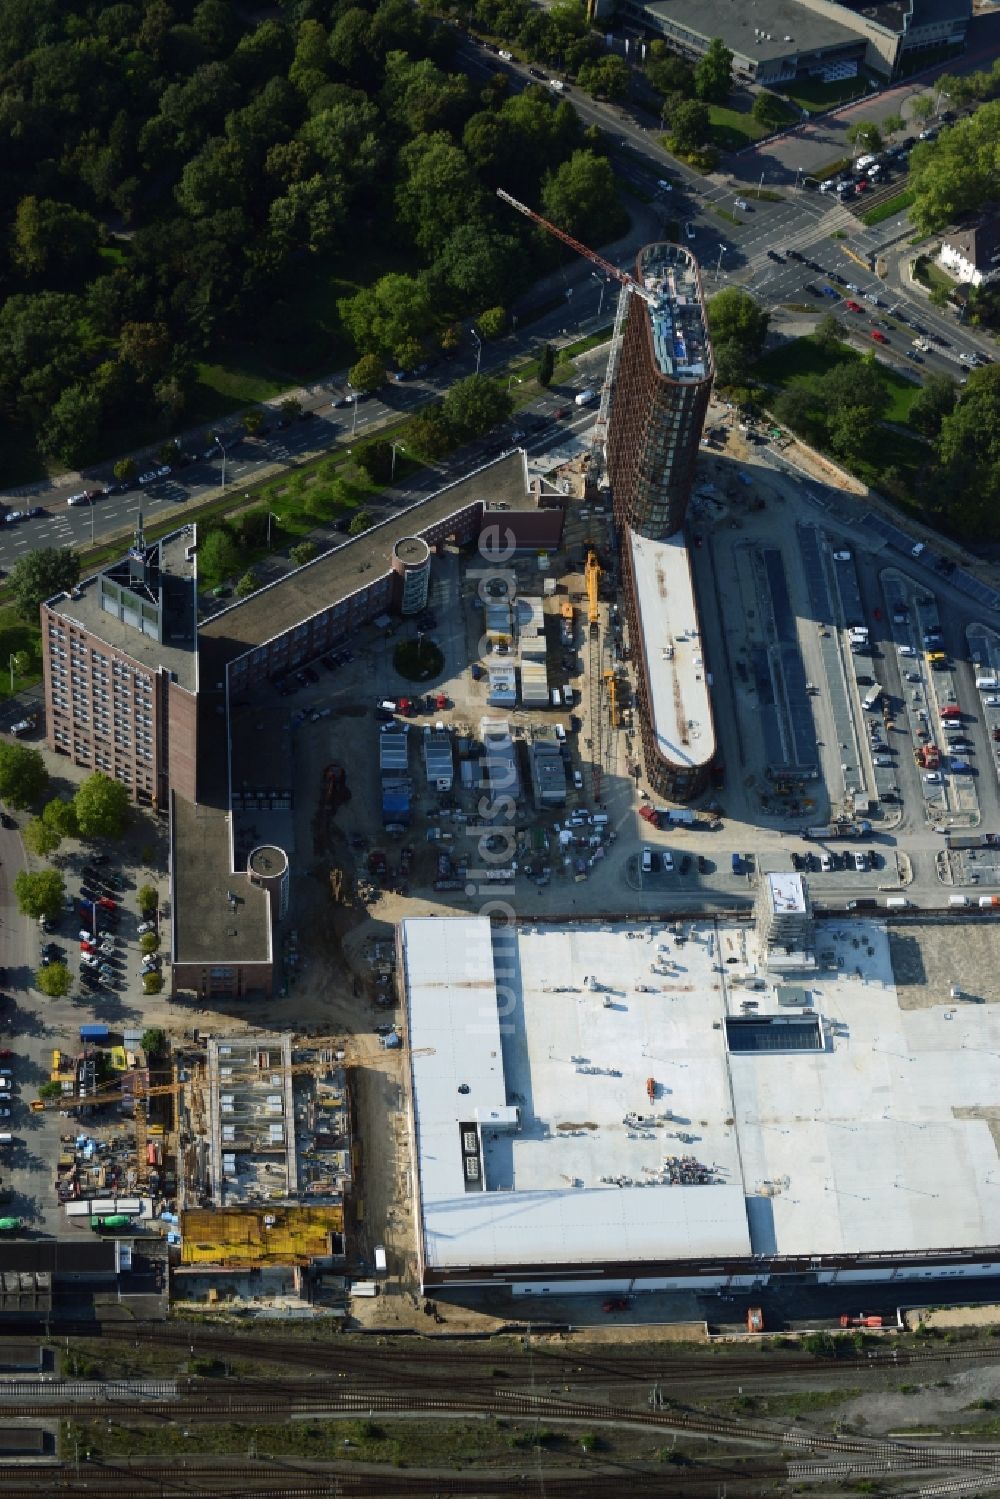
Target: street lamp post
x=10, y=663
x=718, y=268
x=270, y=517
x=479, y=348
x=90, y=501
x=222, y=449
x=602, y=282
x=798, y=174
x=354, y=420
x=510, y=381
x=396, y=447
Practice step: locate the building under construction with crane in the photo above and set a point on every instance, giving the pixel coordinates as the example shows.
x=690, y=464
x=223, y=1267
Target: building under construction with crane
x=646, y=439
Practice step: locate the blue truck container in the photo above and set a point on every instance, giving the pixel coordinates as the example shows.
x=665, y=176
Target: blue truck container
x=736, y=863
x=94, y=1033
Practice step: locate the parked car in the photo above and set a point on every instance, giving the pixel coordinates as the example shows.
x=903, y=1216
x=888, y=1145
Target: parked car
x=879, y=338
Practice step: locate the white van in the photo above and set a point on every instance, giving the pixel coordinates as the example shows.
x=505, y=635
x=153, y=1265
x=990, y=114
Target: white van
x=585, y=398
x=647, y=861
x=560, y=733
x=907, y=650
x=896, y=903
x=958, y=900
x=6, y=1139
x=555, y=697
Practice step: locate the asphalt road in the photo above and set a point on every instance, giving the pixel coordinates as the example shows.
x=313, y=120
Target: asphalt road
x=730, y=253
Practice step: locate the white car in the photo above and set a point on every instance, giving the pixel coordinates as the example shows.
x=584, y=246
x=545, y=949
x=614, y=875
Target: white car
x=82, y=498
x=992, y=702
x=578, y=776
x=741, y=203
x=841, y=556
x=918, y=549
x=933, y=778
x=664, y=185
x=23, y=726
x=145, y=926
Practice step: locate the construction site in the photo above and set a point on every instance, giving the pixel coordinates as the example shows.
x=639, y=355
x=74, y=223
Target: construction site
x=237, y=1154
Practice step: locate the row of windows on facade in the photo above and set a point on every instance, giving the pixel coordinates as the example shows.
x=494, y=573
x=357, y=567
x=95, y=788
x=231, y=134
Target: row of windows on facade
x=81, y=648
x=121, y=772
x=100, y=681
x=277, y=652
x=103, y=730
x=79, y=711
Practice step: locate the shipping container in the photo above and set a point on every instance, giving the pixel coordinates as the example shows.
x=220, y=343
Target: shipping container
x=94, y=1033
x=380, y=1261
x=364, y=1288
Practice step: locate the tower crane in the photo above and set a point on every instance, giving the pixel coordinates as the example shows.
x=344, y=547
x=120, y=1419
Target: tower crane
x=629, y=283
x=629, y=287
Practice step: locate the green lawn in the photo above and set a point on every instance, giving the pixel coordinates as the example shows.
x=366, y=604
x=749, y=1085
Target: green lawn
x=932, y=275
x=897, y=204
x=732, y=129
x=813, y=94
x=804, y=359
x=16, y=636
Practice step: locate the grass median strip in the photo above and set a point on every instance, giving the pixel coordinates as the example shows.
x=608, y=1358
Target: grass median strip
x=898, y=204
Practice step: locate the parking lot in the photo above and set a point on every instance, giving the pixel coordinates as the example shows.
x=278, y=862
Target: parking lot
x=97, y=935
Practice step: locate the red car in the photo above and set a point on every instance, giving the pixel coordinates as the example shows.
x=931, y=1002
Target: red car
x=879, y=338
x=87, y=947
x=107, y=904
x=5, y=1053
x=876, y=613
x=618, y=1305
x=862, y=187
x=853, y=306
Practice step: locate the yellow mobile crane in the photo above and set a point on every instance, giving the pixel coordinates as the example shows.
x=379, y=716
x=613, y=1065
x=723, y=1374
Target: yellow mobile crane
x=592, y=576
x=612, y=686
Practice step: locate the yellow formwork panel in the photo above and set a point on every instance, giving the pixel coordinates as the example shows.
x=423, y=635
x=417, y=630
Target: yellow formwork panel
x=265, y=1236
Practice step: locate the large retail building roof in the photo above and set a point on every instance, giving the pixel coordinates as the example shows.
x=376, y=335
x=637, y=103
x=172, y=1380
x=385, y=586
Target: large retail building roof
x=878, y=1138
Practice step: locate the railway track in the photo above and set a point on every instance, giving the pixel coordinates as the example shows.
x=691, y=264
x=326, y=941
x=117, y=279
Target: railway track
x=458, y=1360
x=201, y=1480
x=276, y=1401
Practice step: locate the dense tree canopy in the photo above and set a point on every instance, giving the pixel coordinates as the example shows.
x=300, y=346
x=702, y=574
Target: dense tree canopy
x=23, y=776
x=968, y=448
x=40, y=893
x=713, y=72
x=735, y=317
x=957, y=172
x=38, y=575
x=174, y=172
x=102, y=807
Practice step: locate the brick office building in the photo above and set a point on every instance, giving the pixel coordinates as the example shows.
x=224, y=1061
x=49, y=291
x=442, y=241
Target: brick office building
x=134, y=687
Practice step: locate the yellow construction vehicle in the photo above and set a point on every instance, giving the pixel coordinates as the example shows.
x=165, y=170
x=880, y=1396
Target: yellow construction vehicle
x=612, y=686
x=592, y=575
